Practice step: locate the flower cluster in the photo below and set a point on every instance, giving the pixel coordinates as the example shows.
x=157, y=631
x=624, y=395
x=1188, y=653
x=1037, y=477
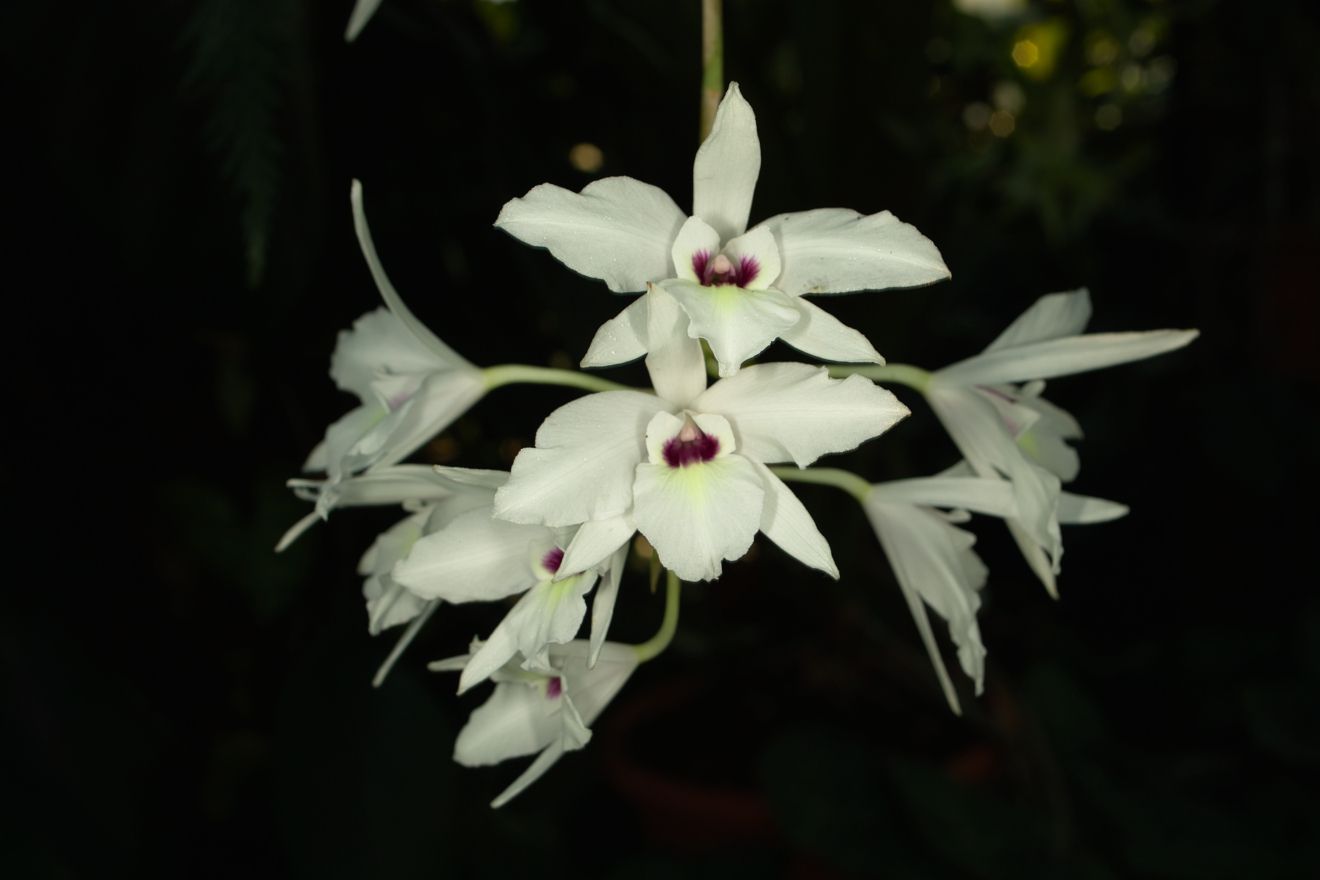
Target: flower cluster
x=696, y=468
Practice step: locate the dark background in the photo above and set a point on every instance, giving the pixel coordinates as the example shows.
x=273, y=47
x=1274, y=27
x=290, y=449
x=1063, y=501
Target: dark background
x=180, y=702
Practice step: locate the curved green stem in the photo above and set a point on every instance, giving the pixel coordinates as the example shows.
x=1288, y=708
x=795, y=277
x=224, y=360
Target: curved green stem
x=521, y=374
x=712, y=62
x=903, y=374
x=845, y=480
x=656, y=644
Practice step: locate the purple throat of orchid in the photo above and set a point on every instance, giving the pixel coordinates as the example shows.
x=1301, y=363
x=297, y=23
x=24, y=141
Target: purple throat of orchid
x=721, y=270
x=554, y=688
x=691, y=446
x=552, y=560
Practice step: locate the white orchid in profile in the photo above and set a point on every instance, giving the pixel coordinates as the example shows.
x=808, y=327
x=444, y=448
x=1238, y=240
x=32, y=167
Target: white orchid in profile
x=687, y=466
x=411, y=385
x=544, y=710
x=474, y=557
x=1009, y=430
x=740, y=289
x=933, y=559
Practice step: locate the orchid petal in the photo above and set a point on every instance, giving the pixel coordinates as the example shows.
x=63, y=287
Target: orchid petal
x=474, y=558
x=617, y=229
x=581, y=467
x=363, y=10
x=593, y=687
x=620, y=339
x=517, y=720
x=738, y=323
x=1053, y=316
x=403, y=642
x=756, y=246
x=787, y=522
x=727, y=165
x=696, y=237
x=698, y=515
x=387, y=291
x=602, y=604
x=796, y=412
x=595, y=541
x=836, y=250
x=442, y=398
x=1063, y=357
x=534, y=771
x=1085, y=510
x=992, y=496
x=820, y=334
x=674, y=361
x=379, y=343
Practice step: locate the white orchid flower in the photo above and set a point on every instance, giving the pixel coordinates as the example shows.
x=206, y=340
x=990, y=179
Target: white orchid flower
x=476, y=558
x=933, y=559
x=545, y=710
x=412, y=385
x=1008, y=430
x=739, y=289
x=687, y=466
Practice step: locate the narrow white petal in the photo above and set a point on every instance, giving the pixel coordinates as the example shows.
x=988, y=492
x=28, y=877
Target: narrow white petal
x=474, y=558
x=596, y=541
x=404, y=641
x=296, y=530
x=727, y=165
x=517, y=720
x=1063, y=357
x=836, y=250
x=674, y=360
x=699, y=515
x=787, y=522
x=738, y=323
x=534, y=771
x=992, y=496
x=1085, y=510
x=602, y=604
x=391, y=485
x=362, y=13
x=617, y=229
x=1053, y=316
x=757, y=245
x=1038, y=561
x=796, y=412
x=620, y=339
x=696, y=237
x=820, y=334
x=582, y=465
x=387, y=291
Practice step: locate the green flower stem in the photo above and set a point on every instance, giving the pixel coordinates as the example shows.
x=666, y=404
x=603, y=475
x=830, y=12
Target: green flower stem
x=521, y=374
x=654, y=646
x=845, y=480
x=712, y=61
x=903, y=374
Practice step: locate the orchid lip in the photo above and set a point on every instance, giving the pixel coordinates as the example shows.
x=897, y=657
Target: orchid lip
x=721, y=271
x=554, y=688
x=691, y=446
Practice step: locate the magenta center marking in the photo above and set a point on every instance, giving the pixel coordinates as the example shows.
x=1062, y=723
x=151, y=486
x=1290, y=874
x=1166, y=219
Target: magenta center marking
x=691, y=446
x=723, y=271
x=552, y=560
